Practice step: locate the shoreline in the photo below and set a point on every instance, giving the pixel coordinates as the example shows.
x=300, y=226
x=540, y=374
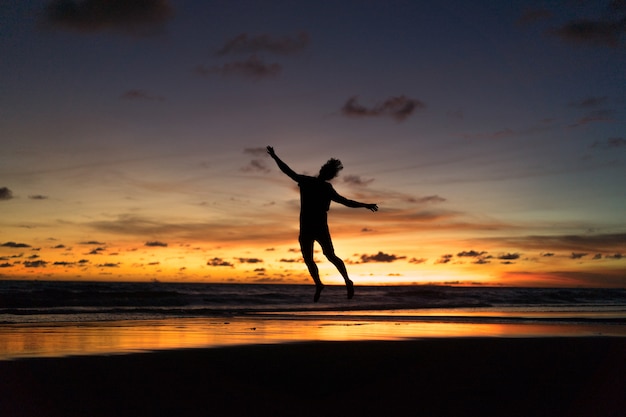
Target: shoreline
x=563, y=376
x=62, y=339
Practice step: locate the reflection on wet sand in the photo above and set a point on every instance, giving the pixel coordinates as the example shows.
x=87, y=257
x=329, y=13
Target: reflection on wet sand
x=64, y=339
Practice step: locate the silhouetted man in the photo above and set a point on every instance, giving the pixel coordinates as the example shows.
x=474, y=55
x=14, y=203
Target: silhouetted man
x=316, y=193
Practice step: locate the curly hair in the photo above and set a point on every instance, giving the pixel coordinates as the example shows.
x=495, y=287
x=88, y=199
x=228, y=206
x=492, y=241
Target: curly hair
x=330, y=169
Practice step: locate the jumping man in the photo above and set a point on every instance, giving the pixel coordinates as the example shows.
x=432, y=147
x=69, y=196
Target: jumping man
x=316, y=193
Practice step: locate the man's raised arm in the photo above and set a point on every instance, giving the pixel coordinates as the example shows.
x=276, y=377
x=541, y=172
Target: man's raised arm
x=283, y=166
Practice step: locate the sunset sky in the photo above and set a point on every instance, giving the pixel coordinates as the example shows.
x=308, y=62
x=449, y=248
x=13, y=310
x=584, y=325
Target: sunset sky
x=491, y=134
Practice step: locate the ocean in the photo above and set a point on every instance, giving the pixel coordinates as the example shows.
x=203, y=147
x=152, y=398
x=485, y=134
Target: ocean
x=41, y=318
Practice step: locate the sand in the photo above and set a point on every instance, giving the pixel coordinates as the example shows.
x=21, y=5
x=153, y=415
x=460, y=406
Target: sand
x=505, y=377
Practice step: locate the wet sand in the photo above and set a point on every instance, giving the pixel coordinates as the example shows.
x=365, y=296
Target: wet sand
x=569, y=376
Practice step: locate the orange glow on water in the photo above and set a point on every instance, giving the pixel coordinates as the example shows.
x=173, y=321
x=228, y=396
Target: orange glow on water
x=96, y=338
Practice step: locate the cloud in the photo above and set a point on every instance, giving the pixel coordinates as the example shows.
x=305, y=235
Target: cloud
x=35, y=264
x=602, y=32
x=595, y=117
x=589, y=102
x=417, y=260
x=219, y=262
x=590, y=243
x=289, y=261
x=256, y=165
x=471, y=253
x=578, y=255
x=399, y=108
x=6, y=265
x=253, y=67
x=5, y=194
x=15, y=245
x=252, y=44
x=509, y=256
x=429, y=199
x=92, y=242
x=250, y=260
x=133, y=17
x=140, y=95
x=96, y=251
x=156, y=243
x=610, y=143
x=380, y=257
x=108, y=265
x=444, y=259
x=357, y=180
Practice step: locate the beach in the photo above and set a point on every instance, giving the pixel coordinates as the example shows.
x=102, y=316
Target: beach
x=473, y=376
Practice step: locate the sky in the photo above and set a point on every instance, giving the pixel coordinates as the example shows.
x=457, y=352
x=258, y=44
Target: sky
x=491, y=135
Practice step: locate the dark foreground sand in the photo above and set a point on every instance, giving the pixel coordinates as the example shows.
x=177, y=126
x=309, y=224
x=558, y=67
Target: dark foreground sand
x=432, y=377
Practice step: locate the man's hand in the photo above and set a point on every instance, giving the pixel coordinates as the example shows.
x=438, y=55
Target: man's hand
x=372, y=207
x=270, y=151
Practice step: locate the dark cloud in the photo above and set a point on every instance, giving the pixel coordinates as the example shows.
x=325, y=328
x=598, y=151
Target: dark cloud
x=471, y=254
x=15, y=245
x=595, y=117
x=589, y=102
x=35, y=264
x=578, y=255
x=614, y=256
x=289, y=261
x=610, y=143
x=156, y=243
x=5, y=193
x=38, y=197
x=134, y=17
x=252, y=44
x=250, y=260
x=96, y=251
x=380, y=257
x=63, y=263
x=444, y=259
x=597, y=256
x=547, y=254
x=429, y=199
x=92, y=242
x=399, y=108
x=253, y=67
x=603, y=32
x=509, y=256
x=108, y=265
x=6, y=265
x=417, y=260
x=140, y=95
x=219, y=262
x=256, y=165
x=357, y=180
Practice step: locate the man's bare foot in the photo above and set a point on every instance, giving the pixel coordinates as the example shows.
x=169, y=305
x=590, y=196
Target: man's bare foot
x=318, y=292
x=350, y=287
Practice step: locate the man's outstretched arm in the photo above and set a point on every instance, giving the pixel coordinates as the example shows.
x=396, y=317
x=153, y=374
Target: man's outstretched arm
x=354, y=204
x=283, y=166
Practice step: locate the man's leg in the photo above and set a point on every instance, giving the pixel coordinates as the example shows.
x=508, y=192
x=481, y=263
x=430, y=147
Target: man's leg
x=329, y=252
x=306, y=246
